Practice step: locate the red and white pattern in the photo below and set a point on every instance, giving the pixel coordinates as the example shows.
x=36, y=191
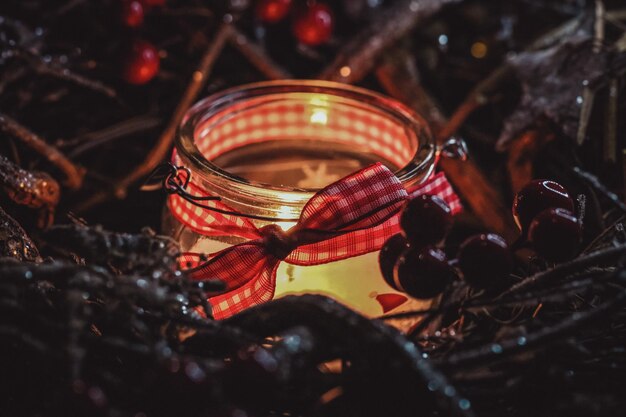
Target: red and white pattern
x=350, y=217
x=261, y=120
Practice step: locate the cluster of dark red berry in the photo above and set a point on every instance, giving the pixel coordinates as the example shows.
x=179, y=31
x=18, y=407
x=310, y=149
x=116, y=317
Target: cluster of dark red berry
x=412, y=263
x=544, y=211
x=312, y=22
x=142, y=61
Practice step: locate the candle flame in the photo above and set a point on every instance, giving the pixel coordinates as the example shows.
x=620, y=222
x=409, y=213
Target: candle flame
x=319, y=109
x=319, y=116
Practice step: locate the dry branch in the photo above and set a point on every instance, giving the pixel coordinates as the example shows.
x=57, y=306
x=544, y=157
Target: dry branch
x=73, y=173
x=361, y=53
x=256, y=55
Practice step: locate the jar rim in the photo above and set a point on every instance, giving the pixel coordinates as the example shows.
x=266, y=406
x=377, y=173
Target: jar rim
x=420, y=166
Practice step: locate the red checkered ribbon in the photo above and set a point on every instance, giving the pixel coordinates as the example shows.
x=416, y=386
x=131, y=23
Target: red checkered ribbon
x=350, y=217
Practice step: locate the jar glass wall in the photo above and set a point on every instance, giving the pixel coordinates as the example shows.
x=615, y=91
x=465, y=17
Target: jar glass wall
x=266, y=148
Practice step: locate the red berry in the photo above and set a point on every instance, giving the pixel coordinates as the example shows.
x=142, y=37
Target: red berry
x=314, y=25
x=389, y=254
x=555, y=234
x=426, y=220
x=272, y=11
x=132, y=13
x=423, y=273
x=537, y=196
x=485, y=261
x=142, y=63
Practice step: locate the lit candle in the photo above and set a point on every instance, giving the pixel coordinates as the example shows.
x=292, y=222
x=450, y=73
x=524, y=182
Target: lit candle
x=266, y=148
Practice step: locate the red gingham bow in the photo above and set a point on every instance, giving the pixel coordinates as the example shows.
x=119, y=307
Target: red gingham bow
x=350, y=217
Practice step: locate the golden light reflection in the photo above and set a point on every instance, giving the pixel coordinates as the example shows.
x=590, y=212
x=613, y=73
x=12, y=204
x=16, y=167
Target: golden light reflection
x=479, y=50
x=285, y=212
x=319, y=116
x=319, y=109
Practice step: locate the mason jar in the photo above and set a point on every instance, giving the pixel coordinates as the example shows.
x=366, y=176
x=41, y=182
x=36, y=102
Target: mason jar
x=266, y=148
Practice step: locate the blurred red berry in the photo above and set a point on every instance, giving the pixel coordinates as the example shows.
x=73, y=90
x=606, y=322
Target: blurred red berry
x=314, y=25
x=142, y=63
x=485, y=261
x=272, y=11
x=423, y=273
x=555, y=234
x=132, y=13
x=536, y=196
x=426, y=220
x=389, y=254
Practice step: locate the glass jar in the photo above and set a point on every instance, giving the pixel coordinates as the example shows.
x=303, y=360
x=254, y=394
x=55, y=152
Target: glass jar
x=266, y=148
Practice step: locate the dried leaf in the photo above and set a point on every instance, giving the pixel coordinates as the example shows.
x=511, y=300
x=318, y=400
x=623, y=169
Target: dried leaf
x=553, y=82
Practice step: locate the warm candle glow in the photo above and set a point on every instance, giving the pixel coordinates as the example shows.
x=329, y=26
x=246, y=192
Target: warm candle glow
x=355, y=282
x=319, y=109
x=289, y=143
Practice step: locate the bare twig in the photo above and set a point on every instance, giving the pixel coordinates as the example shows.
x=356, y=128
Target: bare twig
x=588, y=94
x=616, y=14
x=70, y=76
x=360, y=54
x=560, y=271
x=476, y=98
x=598, y=25
x=555, y=35
x=256, y=55
x=610, y=142
x=399, y=67
x=600, y=188
x=73, y=173
x=552, y=333
x=125, y=128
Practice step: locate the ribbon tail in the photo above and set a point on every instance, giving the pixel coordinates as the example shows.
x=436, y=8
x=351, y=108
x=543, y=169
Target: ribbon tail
x=235, y=266
x=258, y=290
x=439, y=185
